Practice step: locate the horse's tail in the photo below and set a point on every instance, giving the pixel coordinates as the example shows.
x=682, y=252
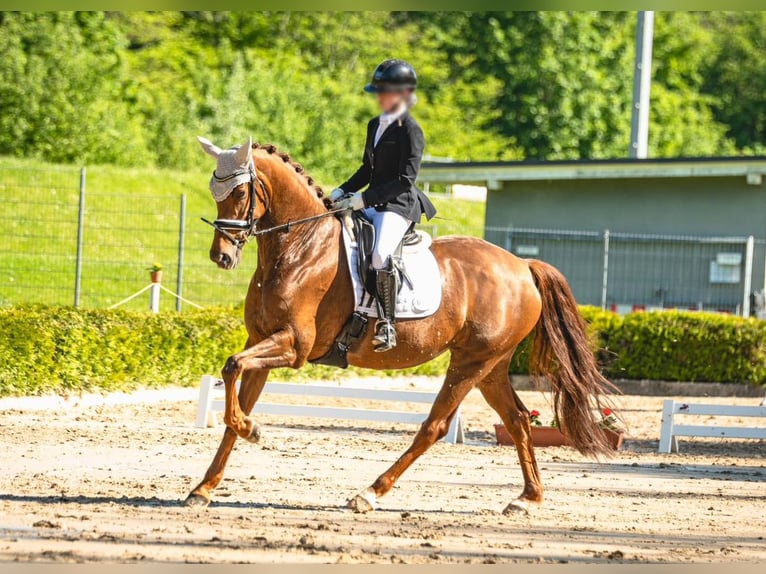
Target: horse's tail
x=562, y=354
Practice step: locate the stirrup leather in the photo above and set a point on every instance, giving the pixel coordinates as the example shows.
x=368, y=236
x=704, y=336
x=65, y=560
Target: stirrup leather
x=386, y=290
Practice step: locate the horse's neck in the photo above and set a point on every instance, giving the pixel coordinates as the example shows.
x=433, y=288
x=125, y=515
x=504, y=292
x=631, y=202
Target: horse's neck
x=300, y=266
x=290, y=200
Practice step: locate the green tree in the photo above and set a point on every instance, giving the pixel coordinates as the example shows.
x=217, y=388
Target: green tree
x=61, y=91
x=735, y=77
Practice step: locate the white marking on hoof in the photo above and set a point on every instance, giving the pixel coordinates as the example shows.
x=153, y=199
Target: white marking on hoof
x=518, y=506
x=364, y=502
x=255, y=433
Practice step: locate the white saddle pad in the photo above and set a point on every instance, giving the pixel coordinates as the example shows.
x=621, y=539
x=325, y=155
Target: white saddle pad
x=422, y=299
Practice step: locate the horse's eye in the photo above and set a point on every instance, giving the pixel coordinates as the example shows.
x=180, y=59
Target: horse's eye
x=239, y=195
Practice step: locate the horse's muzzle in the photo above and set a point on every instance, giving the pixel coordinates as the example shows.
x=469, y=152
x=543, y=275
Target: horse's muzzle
x=223, y=260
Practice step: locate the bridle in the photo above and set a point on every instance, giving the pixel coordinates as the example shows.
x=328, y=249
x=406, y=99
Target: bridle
x=239, y=231
x=244, y=229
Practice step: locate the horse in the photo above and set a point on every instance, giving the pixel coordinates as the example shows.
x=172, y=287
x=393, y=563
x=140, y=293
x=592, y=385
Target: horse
x=300, y=297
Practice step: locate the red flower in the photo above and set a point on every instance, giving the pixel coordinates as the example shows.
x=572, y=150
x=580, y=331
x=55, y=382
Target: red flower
x=534, y=414
x=607, y=412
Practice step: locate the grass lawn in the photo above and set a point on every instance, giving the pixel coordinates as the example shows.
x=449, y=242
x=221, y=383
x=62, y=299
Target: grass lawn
x=131, y=220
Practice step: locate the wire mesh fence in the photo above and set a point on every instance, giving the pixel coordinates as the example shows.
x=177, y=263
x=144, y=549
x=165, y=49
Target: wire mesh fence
x=66, y=244
x=122, y=235
x=39, y=249
x=630, y=271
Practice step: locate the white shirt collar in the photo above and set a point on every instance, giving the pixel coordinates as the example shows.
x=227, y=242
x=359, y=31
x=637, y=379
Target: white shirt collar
x=390, y=117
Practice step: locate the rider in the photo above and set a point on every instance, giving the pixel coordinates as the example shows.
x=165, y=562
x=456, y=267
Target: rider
x=392, y=155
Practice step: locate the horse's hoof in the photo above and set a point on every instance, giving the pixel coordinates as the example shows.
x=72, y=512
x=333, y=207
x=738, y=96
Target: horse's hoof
x=196, y=501
x=517, y=507
x=363, y=502
x=255, y=433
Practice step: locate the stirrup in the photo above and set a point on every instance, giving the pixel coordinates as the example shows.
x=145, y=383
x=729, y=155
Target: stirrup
x=385, y=336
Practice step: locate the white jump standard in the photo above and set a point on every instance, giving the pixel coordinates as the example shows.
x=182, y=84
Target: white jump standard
x=671, y=431
x=208, y=405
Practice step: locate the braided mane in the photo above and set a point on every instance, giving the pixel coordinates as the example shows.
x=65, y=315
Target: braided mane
x=272, y=149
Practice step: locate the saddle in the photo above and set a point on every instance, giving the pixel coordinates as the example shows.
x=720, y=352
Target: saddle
x=418, y=287
x=364, y=234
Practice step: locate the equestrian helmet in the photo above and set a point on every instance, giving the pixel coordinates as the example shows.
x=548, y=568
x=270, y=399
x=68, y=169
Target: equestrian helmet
x=392, y=76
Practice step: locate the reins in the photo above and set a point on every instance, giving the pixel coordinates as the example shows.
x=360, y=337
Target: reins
x=248, y=226
x=289, y=224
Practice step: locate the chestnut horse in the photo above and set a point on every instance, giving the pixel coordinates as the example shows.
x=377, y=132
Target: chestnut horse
x=301, y=295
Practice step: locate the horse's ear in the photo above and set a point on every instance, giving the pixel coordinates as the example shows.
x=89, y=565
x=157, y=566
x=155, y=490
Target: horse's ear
x=209, y=147
x=244, y=153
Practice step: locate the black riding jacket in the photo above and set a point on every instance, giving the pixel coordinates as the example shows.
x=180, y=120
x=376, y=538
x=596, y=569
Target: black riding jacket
x=390, y=169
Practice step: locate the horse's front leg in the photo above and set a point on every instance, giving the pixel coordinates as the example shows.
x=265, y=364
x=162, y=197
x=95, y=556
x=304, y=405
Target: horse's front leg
x=252, y=385
x=270, y=353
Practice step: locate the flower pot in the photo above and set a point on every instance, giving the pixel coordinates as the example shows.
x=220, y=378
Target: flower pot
x=552, y=436
x=615, y=438
x=156, y=276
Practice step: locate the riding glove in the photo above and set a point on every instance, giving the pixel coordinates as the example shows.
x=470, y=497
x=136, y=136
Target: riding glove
x=336, y=194
x=355, y=202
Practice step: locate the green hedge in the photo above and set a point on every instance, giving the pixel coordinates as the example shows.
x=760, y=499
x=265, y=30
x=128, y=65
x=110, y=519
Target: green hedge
x=681, y=346
x=674, y=346
x=65, y=350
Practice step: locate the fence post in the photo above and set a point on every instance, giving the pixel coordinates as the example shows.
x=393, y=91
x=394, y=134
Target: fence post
x=154, y=297
x=748, y=279
x=80, y=221
x=605, y=277
x=181, y=239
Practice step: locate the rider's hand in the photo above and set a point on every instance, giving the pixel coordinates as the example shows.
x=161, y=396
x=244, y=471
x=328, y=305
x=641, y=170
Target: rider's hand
x=336, y=194
x=355, y=202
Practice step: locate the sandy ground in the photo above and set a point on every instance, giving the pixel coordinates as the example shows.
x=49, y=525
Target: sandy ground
x=103, y=482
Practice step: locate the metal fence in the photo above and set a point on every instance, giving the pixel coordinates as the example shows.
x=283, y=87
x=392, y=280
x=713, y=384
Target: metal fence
x=630, y=271
x=68, y=244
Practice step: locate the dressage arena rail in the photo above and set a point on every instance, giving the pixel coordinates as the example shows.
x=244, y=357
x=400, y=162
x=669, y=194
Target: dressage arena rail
x=671, y=431
x=208, y=405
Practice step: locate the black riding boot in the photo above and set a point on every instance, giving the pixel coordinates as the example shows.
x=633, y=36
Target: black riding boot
x=386, y=290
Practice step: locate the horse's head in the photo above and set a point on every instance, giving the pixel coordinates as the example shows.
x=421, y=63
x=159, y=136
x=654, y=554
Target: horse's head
x=240, y=198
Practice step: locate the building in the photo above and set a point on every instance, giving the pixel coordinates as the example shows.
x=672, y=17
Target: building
x=627, y=233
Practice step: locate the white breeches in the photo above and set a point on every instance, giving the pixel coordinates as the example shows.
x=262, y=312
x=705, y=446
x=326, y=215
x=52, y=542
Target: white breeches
x=389, y=229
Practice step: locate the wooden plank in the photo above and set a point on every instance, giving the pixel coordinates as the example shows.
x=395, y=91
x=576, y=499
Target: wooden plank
x=719, y=432
x=719, y=410
x=310, y=390
x=349, y=392
x=339, y=413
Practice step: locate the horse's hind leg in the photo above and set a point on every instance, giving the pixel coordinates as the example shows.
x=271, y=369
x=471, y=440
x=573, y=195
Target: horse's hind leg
x=462, y=376
x=499, y=393
x=249, y=391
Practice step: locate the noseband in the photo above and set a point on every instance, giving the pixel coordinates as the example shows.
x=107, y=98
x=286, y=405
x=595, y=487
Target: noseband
x=238, y=231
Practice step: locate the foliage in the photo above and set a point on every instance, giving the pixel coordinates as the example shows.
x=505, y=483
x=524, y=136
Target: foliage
x=66, y=350
x=682, y=346
x=134, y=88
x=61, y=90
x=673, y=346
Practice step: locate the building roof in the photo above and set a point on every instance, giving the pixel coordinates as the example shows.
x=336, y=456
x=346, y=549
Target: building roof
x=492, y=173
